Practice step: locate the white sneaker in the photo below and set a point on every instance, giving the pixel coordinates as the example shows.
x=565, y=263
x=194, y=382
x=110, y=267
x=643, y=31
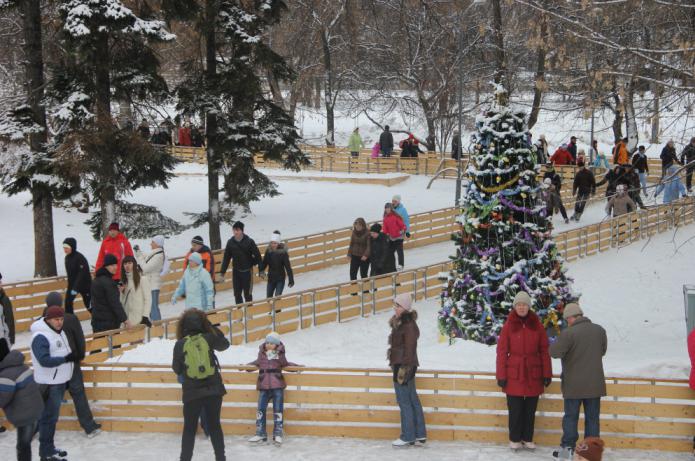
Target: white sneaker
x=277, y=440
x=401, y=444
x=258, y=439
x=515, y=446
x=528, y=445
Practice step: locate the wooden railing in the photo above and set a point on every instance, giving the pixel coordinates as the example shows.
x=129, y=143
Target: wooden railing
x=339, y=302
x=360, y=403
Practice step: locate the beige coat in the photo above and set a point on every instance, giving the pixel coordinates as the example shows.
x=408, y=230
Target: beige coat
x=620, y=205
x=136, y=301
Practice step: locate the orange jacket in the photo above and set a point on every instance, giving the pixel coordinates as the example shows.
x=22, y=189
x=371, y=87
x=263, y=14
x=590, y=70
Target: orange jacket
x=620, y=154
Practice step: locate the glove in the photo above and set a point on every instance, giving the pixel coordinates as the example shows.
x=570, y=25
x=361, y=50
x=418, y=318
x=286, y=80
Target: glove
x=291, y=284
x=219, y=278
x=136, y=248
x=145, y=321
x=403, y=375
x=407, y=234
x=70, y=357
x=547, y=381
x=173, y=300
x=502, y=383
x=73, y=293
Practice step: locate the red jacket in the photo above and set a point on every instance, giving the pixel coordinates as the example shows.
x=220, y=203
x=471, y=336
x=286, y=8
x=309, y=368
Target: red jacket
x=119, y=247
x=184, y=136
x=393, y=226
x=691, y=353
x=562, y=157
x=522, y=356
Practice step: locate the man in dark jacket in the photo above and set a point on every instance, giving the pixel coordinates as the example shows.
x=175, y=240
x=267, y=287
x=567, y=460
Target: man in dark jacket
x=641, y=165
x=73, y=330
x=79, y=277
x=107, y=310
x=243, y=252
x=688, y=157
x=583, y=187
x=668, y=156
x=277, y=261
x=7, y=327
x=630, y=179
x=581, y=347
x=572, y=147
x=378, y=252
x=456, y=145
x=386, y=142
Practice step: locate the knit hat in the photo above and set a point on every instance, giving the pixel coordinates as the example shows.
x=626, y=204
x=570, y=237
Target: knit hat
x=397, y=198
x=522, y=298
x=54, y=312
x=548, y=181
x=114, y=226
x=273, y=338
x=238, y=225
x=275, y=237
x=195, y=258
x=198, y=240
x=54, y=299
x=376, y=227
x=110, y=260
x=158, y=240
x=405, y=301
x=591, y=449
x=572, y=310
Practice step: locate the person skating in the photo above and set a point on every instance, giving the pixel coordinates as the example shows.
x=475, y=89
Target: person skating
x=271, y=386
x=612, y=178
x=668, y=156
x=243, y=253
x=208, y=258
x=555, y=178
x=115, y=243
x=632, y=184
x=7, y=326
x=583, y=187
x=552, y=200
x=621, y=156
x=620, y=203
x=523, y=369
x=640, y=163
x=399, y=208
x=196, y=366
x=53, y=363
x=671, y=185
x=402, y=357
x=394, y=228
x=688, y=158
x=562, y=156
x=581, y=347
x=355, y=143
x=572, y=148
x=379, y=260
x=79, y=276
x=154, y=265
x=73, y=331
x=20, y=400
x=277, y=261
x=107, y=310
x=196, y=285
x=358, y=251
x=600, y=159
x=135, y=292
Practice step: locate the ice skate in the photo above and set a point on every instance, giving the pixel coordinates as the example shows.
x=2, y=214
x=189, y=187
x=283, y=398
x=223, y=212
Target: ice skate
x=277, y=440
x=258, y=439
x=515, y=446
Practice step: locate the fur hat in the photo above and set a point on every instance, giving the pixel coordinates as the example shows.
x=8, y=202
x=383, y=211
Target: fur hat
x=522, y=298
x=405, y=301
x=195, y=258
x=273, y=338
x=54, y=299
x=110, y=260
x=572, y=310
x=591, y=449
x=54, y=312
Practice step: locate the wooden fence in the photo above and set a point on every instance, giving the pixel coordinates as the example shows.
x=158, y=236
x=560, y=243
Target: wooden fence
x=340, y=302
x=360, y=403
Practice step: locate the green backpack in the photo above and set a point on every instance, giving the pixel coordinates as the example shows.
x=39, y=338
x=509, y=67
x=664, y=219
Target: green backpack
x=196, y=353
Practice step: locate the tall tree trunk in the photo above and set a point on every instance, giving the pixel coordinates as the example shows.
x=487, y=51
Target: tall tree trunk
x=275, y=90
x=328, y=90
x=656, y=90
x=618, y=117
x=498, y=37
x=211, y=127
x=540, y=73
x=630, y=119
x=41, y=198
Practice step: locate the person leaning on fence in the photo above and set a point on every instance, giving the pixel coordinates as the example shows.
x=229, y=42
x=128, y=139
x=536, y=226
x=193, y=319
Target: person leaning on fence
x=271, y=386
x=355, y=143
x=107, y=310
x=523, y=369
x=277, y=261
x=581, y=347
x=195, y=285
x=7, y=326
x=79, y=277
x=620, y=203
x=358, y=250
x=198, y=370
x=154, y=265
x=402, y=357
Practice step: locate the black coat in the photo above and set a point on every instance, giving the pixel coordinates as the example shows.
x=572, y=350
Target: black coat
x=584, y=182
x=640, y=163
x=106, y=299
x=278, y=264
x=244, y=254
x=386, y=140
x=77, y=269
x=668, y=157
x=572, y=149
x=410, y=150
x=8, y=313
x=688, y=154
x=199, y=388
x=555, y=178
x=378, y=249
x=455, y=148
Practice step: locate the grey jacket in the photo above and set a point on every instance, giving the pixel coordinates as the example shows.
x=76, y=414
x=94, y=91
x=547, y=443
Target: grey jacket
x=581, y=348
x=19, y=394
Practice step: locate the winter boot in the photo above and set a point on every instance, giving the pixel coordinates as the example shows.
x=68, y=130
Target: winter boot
x=565, y=453
x=515, y=446
x=567, y=221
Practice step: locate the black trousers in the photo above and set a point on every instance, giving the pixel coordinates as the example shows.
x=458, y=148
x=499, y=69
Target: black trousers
x=357, y=263
x=70, y=299
x=24, y=436
x=241, y=282
x=397, y=247
x=191, y=414
x=522, y=417
x=689, y=176
x=580, y=203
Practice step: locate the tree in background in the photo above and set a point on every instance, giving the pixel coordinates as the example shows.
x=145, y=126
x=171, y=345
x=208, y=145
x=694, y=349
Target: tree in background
x=505, y=243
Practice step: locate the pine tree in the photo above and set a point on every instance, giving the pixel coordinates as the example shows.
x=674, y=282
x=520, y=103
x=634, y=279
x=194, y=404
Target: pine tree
x=505, y=244
x=108, y=54
x=240, y=117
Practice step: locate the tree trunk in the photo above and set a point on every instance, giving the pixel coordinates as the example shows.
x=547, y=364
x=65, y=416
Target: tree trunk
x=656, y=90
x=618, y=118
x=498, y=37
x=275, y=91
x=42, y=200
x=540, y=73
x=328, y=90
x=211, y=127
x=630, y=119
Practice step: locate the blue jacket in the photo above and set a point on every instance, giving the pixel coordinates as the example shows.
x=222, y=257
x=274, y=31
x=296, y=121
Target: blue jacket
x=674, y=188
x=400, y=209
x=196, y=285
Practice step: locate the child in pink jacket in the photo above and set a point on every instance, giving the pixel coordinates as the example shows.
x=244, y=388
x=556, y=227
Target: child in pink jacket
x=376, y=148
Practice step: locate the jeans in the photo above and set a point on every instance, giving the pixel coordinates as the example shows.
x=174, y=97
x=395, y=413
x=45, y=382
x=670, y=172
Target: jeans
x=278, y=398
x=191, y=415
x=154, y=307
x=592, y=412
x=412, y=417
x=387, y=151
x=397, y=247
x=52, y=398
x=241, y=281
x=79, y=399
x=70, y=299
x=357, y=263
x=274, y=288
x=522, y=417
x=643, y=182
x=24, y=436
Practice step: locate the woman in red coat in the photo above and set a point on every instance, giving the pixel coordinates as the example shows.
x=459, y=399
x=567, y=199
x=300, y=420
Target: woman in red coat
x=523, y=368
x=395, y=229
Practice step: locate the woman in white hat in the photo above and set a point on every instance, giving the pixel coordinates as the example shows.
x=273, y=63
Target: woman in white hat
x=277, y=261
x=154, y=266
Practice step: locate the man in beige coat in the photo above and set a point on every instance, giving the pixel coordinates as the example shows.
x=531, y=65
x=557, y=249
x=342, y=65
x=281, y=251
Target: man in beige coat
x=581, y=347
x=621, y=203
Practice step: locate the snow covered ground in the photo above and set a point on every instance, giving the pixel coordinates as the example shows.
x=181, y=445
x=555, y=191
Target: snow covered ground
x=116, y=446
x=635, y=293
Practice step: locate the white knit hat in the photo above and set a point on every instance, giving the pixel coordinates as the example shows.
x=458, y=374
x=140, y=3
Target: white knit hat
x=159, y=240
x=275, y=237
x=397, y=198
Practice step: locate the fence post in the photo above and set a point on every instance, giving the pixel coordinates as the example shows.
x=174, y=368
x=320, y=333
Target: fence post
x=337, y=294
x=313, y=308
x=301, y=316
x=321, y=163
x=109, y=341
x=361, y=298
x=415, y=285
x=373, y=296
x=166, y=330
x=230, y=319
x=424, y=277
x=147, y=334
x=246, y=323
x=272, y=312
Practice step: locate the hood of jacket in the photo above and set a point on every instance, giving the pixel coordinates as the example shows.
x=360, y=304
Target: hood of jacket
x=73, y=244
x=13, y=359
x=396, y=322
x=103, y=272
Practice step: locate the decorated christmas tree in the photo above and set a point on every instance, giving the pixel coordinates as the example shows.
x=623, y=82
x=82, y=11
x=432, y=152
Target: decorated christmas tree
x=504, y=244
